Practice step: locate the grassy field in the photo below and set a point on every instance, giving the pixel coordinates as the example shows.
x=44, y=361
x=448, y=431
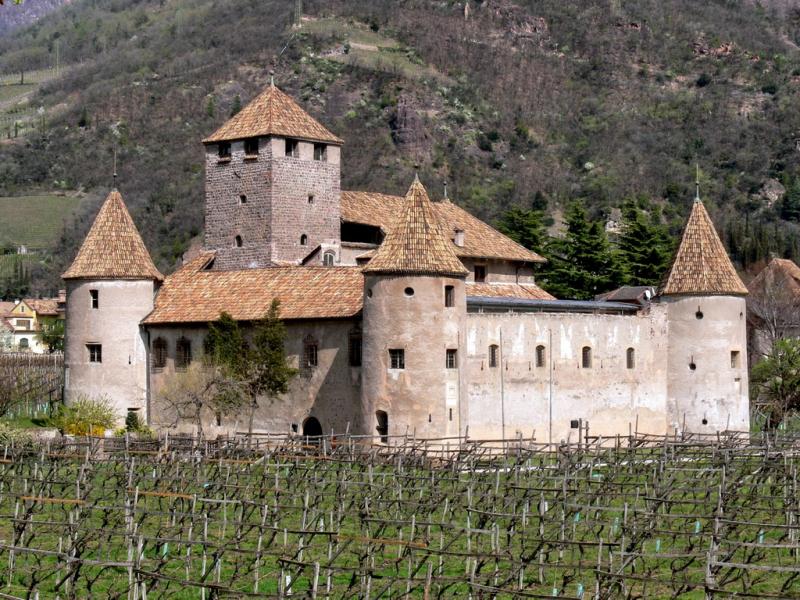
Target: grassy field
x=667, y=519
x=34, y=221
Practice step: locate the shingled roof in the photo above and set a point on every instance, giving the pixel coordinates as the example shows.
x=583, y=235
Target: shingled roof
x=701, y=264
x=273, y=113
x=415, y=243
x=113, y=248
x=480, y=240
x=195, y=295
x=529, y=291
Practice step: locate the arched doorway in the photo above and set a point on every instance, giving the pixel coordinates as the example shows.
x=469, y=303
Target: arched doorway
x=312, y=427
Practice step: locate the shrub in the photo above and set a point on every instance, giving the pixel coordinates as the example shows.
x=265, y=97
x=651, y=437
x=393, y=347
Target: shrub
x=85, y=416
x=13, y=435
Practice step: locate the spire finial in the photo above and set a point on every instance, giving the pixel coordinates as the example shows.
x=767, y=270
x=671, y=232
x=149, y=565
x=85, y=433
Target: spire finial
x=114, y=174
x=272, y=79
x=696, y=182
x=416, y=173
x=445, y=190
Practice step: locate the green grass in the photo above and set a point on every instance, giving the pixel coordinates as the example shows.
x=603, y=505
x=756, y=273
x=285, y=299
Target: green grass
x=34, y=221
x=9, y=92
x=352, y=32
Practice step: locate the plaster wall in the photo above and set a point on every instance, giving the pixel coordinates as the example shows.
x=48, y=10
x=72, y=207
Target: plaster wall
x=330, y=392
x=500, y=271
x=716, y=390
x=519, y=397
x=122, y=374
x=424, y=398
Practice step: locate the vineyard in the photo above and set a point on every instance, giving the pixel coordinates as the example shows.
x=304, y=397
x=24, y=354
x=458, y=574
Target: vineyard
x=30, y=383
x=631, y=517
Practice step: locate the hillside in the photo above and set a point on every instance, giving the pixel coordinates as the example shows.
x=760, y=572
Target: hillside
x=526, y=103
x=14, y=16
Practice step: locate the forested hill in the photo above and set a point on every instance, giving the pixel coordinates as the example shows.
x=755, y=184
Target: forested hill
x=17, y=13
x=529, y=103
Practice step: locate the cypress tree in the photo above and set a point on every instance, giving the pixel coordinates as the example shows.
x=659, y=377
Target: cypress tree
x=525, y=227
x=644, y=246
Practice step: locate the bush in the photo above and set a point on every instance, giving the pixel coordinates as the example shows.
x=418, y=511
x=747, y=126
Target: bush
x=13, y=435
x=85, y=416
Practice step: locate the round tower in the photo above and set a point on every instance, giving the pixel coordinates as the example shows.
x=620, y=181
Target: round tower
x=110, y=288
x=413, y=322
x=704, y=297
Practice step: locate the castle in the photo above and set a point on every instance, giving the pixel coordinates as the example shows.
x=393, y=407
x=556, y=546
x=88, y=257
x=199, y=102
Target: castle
x=404, y=315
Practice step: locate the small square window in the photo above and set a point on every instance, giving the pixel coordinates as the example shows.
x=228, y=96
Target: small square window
x=397, y=359
x=311, y=198
x=451, y=360
x=251, y=147
x=95, y=353
x=95, y=297
x=735, y=359
x=224, y=150
x=242, y=199
x=480, y=273
x=292, y=148
x=320, y=152
x=449, y=296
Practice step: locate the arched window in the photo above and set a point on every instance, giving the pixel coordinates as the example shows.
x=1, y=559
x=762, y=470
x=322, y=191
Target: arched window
x=183, y=354
x=237, y=241
x=540, y=358
x=382, y=418
x=494, y=355
x=328, y=258
x=630, y=358
x=310, y=352
x=312, y=427
x=24, y=344
x=586, y=357
x=159, y=353
x=303, y=239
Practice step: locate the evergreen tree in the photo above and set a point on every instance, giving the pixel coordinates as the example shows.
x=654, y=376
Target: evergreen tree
x=645, y=247
x=237, y=105
x=790, y=205
x=582, y=263
x=524, y=227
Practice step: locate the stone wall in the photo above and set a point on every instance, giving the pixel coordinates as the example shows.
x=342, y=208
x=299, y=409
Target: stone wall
x=501, y=271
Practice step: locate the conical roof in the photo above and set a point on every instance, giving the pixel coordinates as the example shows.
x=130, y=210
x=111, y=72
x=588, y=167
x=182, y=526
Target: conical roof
x=113, y=248
x=416, y=245
x=701, y=264
x=272, y=113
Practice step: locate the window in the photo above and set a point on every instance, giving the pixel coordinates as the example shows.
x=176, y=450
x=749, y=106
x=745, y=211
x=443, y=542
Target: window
x=494, y=355
x=586, y=357
x=630, y=358
x=409, y=291
x=24, y=324
x=382, y=417
x=451, y=361
x=183, y=354
x=224, y=150
x=449, y=296
x=320, y=152
x=303, y=239
x=397, y=359
x=292, y=148
x=354, y=349
x=159, y=354
x=95, y=298
x=310, y=352
x=540, y=359
x=95, y=352
x=735, y=359
x=328, y=258
x=311, y=198
x=251, y=147
x=242, y=199
x=237, y=241
x=24, y=344
x=480, y=273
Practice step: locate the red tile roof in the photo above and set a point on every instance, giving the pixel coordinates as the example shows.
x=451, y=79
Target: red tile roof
x=701, y=264
x=47, y=307
x=480, y=240
x=415, y=243
x=195, y=295
x=113, y=248
x=507, y=290
x=273, y=113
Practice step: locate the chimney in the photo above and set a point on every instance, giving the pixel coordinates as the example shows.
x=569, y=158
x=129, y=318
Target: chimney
x=459, y=238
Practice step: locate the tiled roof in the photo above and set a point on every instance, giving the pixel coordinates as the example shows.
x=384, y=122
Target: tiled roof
x=480, y=240
x=507, y=290
x=43, y=306
x=113, y=248
x=5, y=308
x=272, y=113
x=195, y=295
x=701, y=264
x=780, y=275
x=415, y=243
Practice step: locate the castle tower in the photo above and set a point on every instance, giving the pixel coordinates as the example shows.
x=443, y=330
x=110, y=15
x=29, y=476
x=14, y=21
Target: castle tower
x=706, y=315
x=272, y=185
x=110, y=289
x=414, y=319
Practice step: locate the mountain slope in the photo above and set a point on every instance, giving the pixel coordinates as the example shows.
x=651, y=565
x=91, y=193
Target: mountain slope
x=529, y=103
x=14, y=16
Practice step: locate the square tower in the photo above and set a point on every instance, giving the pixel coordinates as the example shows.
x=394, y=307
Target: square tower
x=272, y=185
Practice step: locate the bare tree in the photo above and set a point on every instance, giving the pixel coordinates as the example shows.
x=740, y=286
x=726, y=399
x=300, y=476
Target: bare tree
x=773, y=309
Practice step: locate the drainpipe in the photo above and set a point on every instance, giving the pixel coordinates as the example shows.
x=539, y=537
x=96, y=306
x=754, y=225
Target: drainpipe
x=502, y=390
x=550, y=399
